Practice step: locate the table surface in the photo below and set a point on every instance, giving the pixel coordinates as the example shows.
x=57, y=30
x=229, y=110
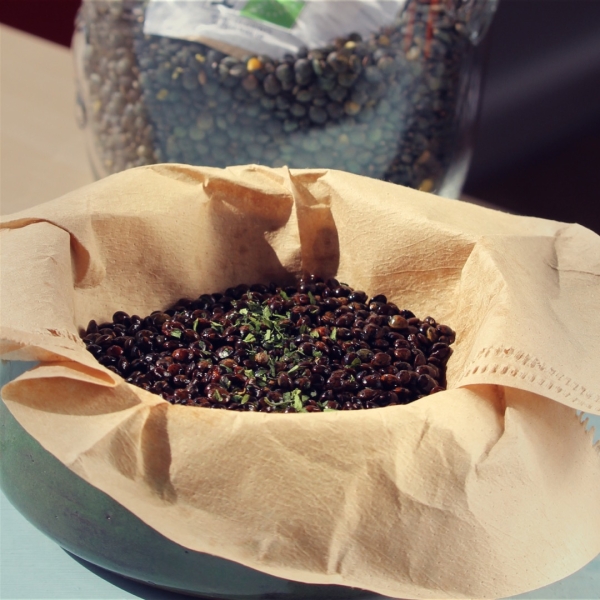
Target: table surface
x=43, y=150
x=44, y=157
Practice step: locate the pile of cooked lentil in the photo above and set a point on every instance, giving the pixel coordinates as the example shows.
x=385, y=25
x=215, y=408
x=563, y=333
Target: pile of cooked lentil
x=317, y=346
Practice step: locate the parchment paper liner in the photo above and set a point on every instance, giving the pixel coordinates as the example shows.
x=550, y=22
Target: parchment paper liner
x=488, y=489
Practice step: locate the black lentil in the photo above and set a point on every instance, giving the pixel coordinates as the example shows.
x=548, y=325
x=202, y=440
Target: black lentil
x=273, y=349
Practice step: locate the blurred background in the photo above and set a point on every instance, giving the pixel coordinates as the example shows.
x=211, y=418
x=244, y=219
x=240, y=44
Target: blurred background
x=537, y=146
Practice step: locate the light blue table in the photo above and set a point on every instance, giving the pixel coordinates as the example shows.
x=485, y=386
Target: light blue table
x=33, y=567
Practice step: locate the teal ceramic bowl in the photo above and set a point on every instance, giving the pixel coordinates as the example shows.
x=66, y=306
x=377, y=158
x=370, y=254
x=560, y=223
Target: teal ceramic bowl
x=92, y=526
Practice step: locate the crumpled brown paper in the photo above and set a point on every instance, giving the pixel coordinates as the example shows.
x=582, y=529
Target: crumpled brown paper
x=488, y=489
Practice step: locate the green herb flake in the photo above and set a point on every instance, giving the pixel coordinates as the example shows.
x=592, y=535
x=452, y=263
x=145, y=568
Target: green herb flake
x=333, y=334
x=245, y=398
x=217, y=395
x=356, y=362
x=284, y=295
x=249, y=338
x=195, y=325
x=216, y=326
x=297, y=399
x=176, y=333
x=249, y=373
x=314, y=333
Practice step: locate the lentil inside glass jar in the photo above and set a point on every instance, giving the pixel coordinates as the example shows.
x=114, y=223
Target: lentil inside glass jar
x=395, y=103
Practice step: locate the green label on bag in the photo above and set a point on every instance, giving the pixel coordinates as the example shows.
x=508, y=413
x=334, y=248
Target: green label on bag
x=281, y=12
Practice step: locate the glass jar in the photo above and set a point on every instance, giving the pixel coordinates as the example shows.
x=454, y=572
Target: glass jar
x=386, y=89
